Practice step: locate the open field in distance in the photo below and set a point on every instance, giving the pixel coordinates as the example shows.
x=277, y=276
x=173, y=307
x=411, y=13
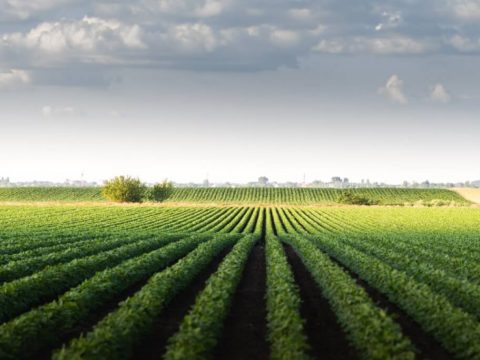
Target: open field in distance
x=238, y=196
x=471, y=194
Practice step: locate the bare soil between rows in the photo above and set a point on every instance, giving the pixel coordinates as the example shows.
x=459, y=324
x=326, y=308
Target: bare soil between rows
x=154, y=345
x=325, y=335
x=87, y=324
x=245, y=331
x=427, y=347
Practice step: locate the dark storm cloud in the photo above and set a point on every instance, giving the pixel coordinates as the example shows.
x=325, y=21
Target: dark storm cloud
x=226, y=35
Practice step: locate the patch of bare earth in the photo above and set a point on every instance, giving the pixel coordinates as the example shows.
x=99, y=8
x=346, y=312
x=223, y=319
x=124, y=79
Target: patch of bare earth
x=471, y=194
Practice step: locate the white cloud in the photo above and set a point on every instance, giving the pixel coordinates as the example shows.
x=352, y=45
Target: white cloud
x=58, y=111
x=13, y=78
x=184, y=8
x=330, y=47
x=24, y=9
x=393, y=90
x=318, y=30
x=265, y=36
x=192, y=38
x=439, y=94
x=90, y=35
x=300, y=14
x=392, y=45
x=211, y=8
x=464, y=44
x=390, y=20
x=284, y=38
x=466, y=9
x=224, y=34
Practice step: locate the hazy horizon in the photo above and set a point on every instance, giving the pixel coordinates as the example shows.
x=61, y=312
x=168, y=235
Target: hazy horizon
x=367, y=181
x=384, y=90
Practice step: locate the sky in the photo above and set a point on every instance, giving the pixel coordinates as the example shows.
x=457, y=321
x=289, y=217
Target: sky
x=233, y=90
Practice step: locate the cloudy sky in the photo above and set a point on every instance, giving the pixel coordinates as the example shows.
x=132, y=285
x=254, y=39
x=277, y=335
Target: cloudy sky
x=386, y=90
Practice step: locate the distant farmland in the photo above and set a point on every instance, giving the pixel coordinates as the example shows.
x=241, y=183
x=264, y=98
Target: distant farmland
x=271, y=196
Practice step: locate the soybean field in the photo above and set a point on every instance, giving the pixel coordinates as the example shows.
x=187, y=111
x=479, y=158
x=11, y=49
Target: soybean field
x=248, y=195
x=239, y=282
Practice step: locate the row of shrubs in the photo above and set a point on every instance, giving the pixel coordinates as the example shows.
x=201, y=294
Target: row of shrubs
x=128, y=189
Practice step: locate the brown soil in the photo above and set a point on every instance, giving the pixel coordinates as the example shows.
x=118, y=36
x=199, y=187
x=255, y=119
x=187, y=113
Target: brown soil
x=427, y=347
x=471, y=194
x=325, y=335
x=88, y=323
x=244, y=334
x=154, y=345
x=85, y=326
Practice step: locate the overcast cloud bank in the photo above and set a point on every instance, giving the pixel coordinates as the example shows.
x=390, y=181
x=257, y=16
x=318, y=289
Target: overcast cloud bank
x=226, y=34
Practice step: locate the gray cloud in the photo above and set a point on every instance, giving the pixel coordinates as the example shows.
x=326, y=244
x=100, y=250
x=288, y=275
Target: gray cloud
x=226, y=34
x=439, y=94
x=21, y=10
x=393, y=90
x=14, y=77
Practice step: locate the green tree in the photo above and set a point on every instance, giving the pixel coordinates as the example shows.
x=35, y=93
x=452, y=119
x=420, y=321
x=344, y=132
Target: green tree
x=349, y=197
x=263, y=181
x=160, y=191
x=124, y=189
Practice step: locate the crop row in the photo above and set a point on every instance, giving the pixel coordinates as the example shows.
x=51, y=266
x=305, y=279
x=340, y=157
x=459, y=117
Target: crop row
x=55, y=285
x=21, y=294
x=370, y=329
x=118, y=333
x=43, y=327
x=457, y=330
x=257, y=195
x=28, y=265
x=200, y=329
x=445, y=306
x=283, y=302
x=44, y=233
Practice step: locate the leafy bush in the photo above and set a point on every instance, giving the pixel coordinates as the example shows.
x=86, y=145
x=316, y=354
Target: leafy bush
x=349, y=197
x=124, y=189
x=160, y=191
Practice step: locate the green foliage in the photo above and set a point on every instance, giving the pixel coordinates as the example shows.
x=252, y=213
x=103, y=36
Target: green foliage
x=371, y=330
x=15, y=269
x=251, y=195
x=68, y=194
x=124, y=189
x=454, y=328
x=60, y=264
x=115, y=336
x=283, y=306
x=55, y=279
x=160, y=191
x=42, y=327
x=460, y=292
x=200, y=330
x=349, y=197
